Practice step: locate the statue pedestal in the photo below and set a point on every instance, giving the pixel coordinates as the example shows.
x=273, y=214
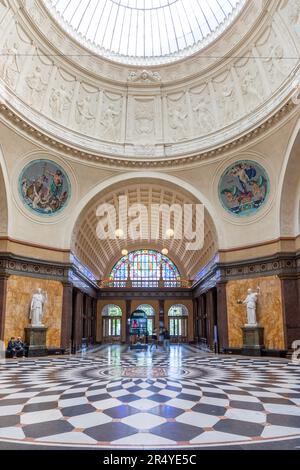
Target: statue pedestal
x=253, y=340
x=35, y=338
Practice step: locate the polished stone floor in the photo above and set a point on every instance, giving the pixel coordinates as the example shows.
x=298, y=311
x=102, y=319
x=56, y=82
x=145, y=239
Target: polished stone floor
x=116, y=398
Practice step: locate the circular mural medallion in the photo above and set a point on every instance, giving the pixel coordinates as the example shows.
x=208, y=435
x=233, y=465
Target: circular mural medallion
x=44, y=187
x=244, y=187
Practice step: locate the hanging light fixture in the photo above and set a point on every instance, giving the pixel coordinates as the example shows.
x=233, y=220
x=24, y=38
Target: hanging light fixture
x=124, y=252
x=164, y=251
x=119, y=233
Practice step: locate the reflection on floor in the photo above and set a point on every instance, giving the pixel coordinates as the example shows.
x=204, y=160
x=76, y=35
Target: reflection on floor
x=123, y=399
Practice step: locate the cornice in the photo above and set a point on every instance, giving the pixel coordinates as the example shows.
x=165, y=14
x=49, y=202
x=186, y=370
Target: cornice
x=196, y=108
x=283, y=265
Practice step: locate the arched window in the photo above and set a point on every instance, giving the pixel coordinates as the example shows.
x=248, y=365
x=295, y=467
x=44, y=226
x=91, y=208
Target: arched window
x=112, y=320
x=150, y=312
x=145, y=268
x=178, y=318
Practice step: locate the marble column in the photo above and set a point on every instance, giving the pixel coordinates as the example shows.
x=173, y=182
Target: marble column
x=210, y=318
x=66, y=318
x=222, y=320
x=77, y=322
x=128, y=313
x=3, y=289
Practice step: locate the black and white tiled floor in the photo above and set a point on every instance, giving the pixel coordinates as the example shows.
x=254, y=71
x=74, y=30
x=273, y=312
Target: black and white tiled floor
x=121, y=399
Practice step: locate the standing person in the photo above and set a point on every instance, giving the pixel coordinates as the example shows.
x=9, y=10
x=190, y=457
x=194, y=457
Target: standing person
x=11, y=348
x=166, y=338
x=154, y=339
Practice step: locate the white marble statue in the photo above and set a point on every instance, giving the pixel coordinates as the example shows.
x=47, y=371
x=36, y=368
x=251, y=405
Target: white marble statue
x=250, y=302
x=37, y=305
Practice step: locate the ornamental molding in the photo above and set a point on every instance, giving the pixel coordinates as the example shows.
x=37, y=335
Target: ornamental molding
x=106, y=112
x=52, y=144
x=284, y=265
x=66, y=273
x=144, y=76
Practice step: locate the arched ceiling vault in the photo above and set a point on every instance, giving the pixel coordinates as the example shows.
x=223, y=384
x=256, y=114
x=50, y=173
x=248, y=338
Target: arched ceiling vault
x=100, y=255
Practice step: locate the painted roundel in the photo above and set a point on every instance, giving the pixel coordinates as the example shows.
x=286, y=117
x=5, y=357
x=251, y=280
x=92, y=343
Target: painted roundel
x=243, y=188
x=44, y=187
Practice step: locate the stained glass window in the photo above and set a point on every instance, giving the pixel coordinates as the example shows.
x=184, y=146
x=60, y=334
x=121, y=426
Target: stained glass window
x=144, y=268
x=111, y=321
x=178, y=311
x=150, y=312
x=145, y=32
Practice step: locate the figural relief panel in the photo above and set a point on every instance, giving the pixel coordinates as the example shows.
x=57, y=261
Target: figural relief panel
x=141, y=119
x=85, y=109
x=273, y=58
x=37, y=79
x=60, y=96
x=14, y=52
x=227, y=98
x=204, y=119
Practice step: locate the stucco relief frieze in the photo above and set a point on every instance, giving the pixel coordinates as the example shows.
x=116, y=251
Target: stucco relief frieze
x=110, y=109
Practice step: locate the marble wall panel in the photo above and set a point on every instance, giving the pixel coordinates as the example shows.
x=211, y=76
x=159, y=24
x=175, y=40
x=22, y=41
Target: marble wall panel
x=19, y=293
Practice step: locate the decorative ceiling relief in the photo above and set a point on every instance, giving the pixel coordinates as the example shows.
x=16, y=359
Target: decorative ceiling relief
x=14, y=55
x=251, y=85
x=203, y=107
x=291, y=12
x=145, y=32
x=227, y=97
x=178, y=111
x=44, y=187
x=277, y=65
x=244, y=188
x=37, y=79
x=173, y=110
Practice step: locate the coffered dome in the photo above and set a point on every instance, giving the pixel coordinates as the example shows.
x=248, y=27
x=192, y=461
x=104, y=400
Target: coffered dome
x=145, y=31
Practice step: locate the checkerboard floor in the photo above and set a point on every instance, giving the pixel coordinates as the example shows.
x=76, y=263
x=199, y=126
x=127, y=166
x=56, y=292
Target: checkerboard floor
x=116, y=398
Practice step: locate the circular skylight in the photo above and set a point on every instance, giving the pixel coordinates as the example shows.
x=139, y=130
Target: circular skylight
x=145, y=32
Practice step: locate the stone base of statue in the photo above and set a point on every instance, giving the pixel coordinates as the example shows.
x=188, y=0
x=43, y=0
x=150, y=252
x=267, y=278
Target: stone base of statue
x=35, y=338
x=253, y=340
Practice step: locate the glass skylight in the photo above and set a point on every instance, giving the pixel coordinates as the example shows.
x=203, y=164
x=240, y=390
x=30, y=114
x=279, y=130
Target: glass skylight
x=145, y=32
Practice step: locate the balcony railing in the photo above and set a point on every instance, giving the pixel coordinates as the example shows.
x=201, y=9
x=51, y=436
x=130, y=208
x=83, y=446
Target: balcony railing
x=145, y=283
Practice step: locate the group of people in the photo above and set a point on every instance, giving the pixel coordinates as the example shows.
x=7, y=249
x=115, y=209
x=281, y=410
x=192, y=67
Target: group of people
x=155, y=339
x=15, y=347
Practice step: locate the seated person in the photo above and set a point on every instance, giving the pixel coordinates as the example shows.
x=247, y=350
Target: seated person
x=19, y=347
x=11, y=349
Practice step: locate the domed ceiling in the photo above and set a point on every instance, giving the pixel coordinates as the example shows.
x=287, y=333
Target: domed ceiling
x=145, y=32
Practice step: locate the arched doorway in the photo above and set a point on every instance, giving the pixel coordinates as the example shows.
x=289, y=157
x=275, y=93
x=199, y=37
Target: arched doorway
x=150, y=312
x=178, y=323
x=111, y=323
